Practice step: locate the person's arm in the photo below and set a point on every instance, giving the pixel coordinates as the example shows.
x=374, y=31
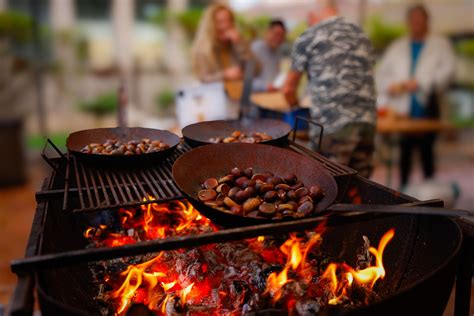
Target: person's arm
x=442, y=70
x=290, y=86
x=299, y=64
x=385, y=70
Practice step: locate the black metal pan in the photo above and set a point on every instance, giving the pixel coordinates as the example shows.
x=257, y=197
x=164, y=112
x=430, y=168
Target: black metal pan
x=198, y=134
x=77, y=140
x=193, y=167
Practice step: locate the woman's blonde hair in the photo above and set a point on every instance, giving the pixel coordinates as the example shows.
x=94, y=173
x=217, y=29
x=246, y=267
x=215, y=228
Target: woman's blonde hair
x=203, y=48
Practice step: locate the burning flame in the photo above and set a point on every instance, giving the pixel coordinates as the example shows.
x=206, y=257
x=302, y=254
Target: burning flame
x=185, y=292
x=340, y=276
x=296, y=255
x=150, y=221
x=367, y=276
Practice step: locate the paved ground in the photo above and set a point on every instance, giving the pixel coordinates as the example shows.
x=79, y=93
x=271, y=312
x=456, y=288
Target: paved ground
x=17, y=204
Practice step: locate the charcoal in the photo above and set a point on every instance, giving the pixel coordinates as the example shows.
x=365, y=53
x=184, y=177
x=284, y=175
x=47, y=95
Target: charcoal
x=307, y=307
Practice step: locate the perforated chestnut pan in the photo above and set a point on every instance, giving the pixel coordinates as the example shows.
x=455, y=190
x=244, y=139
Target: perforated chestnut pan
x=212, y=161
x=198, y=134
x=77, y=140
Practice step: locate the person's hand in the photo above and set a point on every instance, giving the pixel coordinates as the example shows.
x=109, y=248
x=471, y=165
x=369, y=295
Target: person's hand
x=233, y=35
x=290, y=96
x=396, y=89
x=271, y=88
x=233, y=73
x=410, y=85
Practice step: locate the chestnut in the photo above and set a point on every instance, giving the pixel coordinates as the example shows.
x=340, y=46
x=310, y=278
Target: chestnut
x=210, y=183
x=266, y=210
x=290, y=178
x=306, y=208
x=236, y=209
x=275, y=180
x=236, y=172
x=223, y=188
x=233, y=191
x=291, y=195
x=316, y=192
x=266, y=187
x=270, y=196
x=241, y=196
x=207, y=195
x=229, y=202
x=260, y=177
x=227, y=179
x=248, y=172
x=251, y=191
x=301, y=192
x=250, y=205
x=297, y=185
x=242, y=182
x=282, y=186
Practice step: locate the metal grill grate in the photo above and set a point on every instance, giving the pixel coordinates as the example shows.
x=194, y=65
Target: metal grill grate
x=100, y=189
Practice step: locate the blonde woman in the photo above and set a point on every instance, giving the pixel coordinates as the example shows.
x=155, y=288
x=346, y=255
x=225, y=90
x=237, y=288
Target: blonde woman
x=219, y=52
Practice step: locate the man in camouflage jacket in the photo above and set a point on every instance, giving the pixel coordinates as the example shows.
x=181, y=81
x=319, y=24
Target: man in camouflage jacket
x=338, y=59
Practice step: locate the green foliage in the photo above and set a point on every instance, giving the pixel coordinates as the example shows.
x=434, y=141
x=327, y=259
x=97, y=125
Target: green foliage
x=381, y=33
x=103, y=104
x=189, y=20
x=465, y=48
x=159, y=18
x=297, y=30
x=36, y=141
x=165, y=98
x=15, y=26
x=252, y=28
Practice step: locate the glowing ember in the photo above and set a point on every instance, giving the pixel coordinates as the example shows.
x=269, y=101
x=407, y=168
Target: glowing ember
x=228, y=278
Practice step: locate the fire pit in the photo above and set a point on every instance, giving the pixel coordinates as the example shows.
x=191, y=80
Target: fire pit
x=93, y=258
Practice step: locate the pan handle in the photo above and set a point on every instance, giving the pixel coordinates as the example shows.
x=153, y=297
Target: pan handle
x=48, y=160
x=321, y=127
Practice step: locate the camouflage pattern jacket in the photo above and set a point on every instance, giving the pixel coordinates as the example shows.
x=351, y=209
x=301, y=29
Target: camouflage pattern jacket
x=338, y=59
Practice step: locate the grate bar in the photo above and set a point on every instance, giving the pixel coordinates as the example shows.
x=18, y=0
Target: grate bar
x=112, y=188
x=119, y=188
x=88, y=189
x=94, y=185
x=106, y=196
x=79, y=187
x=150, y=186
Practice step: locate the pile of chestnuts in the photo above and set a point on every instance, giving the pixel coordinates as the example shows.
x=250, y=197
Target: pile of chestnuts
x=241, y=137
x=260, y=195
x=132, y=147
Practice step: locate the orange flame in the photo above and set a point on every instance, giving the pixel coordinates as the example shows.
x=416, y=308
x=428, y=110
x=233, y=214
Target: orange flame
x=296, y=253
x=185, y=293
x=135, y=275
x=260, y=238
x=167, y=286
x=367, y=276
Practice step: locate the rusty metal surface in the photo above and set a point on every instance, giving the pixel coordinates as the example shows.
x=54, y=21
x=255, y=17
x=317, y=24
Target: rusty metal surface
x=198, y=134
x=192, y=168
x=77, y=140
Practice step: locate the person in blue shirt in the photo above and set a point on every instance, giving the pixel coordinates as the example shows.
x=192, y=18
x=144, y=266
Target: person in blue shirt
x=411, y=75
